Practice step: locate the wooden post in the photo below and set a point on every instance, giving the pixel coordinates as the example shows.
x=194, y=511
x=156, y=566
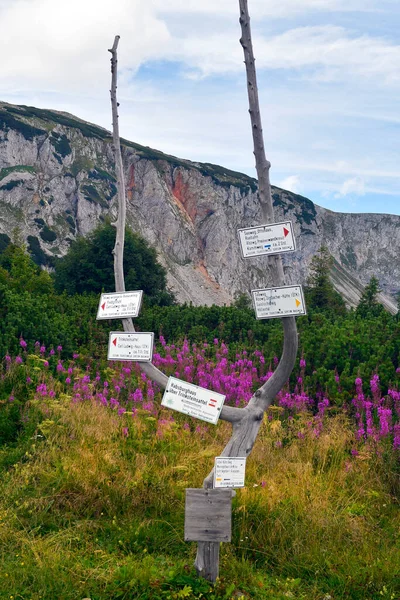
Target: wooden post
x=245, y=429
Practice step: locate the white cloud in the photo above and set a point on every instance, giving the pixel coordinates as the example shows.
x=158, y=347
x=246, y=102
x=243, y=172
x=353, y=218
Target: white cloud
x=354, y=186
x=326, y=52
x=291, y=183
x=63, y=45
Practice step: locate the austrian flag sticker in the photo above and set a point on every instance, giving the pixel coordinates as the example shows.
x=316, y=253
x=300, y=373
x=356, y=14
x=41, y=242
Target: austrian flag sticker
x=212, y=403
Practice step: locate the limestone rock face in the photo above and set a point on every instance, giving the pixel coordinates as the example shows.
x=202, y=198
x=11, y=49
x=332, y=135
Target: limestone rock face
x=57, y=180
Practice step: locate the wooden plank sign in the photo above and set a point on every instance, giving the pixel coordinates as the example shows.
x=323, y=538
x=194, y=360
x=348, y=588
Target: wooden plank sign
x=208, y=515
x=120, y=305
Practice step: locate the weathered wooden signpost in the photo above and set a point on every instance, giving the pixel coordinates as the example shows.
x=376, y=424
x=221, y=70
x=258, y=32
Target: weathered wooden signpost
x=208, y=510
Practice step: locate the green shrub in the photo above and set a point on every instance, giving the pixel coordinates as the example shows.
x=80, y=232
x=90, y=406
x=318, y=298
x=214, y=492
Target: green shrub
x=47, y=234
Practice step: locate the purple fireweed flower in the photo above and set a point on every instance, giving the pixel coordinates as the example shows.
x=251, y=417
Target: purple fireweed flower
x=18, y=360
x=354, y=452
x=60, y=368
x=75, y=356
x=322, y=406
x=125, y=431
x=28, y=380
x=385, y=420
x=114, y=403
x=396, y=436
x=302, y=363
x=68, y=380
x=42, y=349
x=8, y=358
x=138, y=395
x=59, y=348
x=23, y=343
x=11, y=399
x=37, y=344
x=46, y=363
x=121, y=411
x=52, y=352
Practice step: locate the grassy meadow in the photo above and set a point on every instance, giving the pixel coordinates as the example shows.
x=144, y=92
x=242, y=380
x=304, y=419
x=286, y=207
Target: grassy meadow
x=93, y=476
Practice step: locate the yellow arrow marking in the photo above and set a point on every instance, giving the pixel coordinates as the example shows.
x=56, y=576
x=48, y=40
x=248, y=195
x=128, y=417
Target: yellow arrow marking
x=297, y=303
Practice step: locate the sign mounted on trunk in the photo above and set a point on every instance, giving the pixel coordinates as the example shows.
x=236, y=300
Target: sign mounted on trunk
x=130, y=346
x=120, y=305
x=287, y=301
x=267, y=239
x=193, y=400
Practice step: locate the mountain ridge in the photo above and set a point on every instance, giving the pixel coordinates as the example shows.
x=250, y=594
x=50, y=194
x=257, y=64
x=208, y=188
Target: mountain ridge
x=57, y=180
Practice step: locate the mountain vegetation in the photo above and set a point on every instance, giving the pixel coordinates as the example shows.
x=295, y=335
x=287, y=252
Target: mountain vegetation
x=88, y=266
x=93, y=470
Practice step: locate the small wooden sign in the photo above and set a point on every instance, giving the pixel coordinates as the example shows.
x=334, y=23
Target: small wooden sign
x=208, y=515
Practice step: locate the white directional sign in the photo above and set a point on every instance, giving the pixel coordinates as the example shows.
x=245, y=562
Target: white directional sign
x=130, y=346
x=279, y=302
x=267, y=239
x=229, y=472
x=120, y=305
x=193, y=400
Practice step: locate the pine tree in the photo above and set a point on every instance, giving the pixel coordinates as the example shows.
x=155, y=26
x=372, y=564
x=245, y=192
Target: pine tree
x=369, y=305
x=320, y=292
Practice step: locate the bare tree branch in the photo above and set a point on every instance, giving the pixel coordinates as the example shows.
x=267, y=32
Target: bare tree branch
x=228, y=413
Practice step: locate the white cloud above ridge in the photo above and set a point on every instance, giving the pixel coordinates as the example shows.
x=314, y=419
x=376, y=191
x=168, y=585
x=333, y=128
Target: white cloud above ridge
x=47, y=50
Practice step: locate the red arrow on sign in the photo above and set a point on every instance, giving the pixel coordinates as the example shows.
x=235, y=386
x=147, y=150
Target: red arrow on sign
x=285, y=231
x=115, y=342
x=103, y=306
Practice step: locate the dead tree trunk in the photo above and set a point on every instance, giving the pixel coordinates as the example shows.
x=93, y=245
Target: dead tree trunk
x=246, y=428
x=246, y=421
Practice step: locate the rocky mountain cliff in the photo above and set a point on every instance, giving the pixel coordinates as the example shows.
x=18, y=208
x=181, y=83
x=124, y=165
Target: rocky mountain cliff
x=57, y=180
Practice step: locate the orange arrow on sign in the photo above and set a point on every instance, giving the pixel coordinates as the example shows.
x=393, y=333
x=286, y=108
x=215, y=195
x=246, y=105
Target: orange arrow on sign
x=115, y=342
x=297, y=303
x=285, y=231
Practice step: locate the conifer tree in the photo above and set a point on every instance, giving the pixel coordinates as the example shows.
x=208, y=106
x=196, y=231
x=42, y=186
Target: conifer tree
x=369, y=304
x=320, y=291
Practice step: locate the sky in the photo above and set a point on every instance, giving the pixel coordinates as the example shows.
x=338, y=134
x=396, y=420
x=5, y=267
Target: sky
x=328, y=76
